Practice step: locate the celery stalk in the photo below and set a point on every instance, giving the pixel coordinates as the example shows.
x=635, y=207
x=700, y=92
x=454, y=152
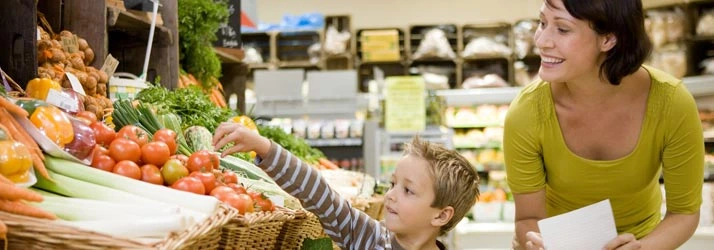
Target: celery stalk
x=146, y=227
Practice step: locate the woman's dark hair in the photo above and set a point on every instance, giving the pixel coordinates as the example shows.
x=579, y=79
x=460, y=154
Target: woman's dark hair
x=625, y=20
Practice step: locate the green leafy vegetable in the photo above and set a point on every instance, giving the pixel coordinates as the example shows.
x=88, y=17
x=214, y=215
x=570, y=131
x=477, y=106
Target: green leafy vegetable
x=191, y=104
x=199, y=21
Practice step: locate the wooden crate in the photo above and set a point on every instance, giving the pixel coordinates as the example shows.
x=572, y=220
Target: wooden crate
x=292, y=48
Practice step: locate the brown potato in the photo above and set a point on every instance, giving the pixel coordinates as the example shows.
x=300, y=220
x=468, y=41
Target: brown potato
x=103, y=78
x=65, y=33
x=82, y=44
x=57, y=55
x=88, y=56
x=102, y=90
x=91, y=82
x=90, y=92
x=56, y=44
x=44, y=44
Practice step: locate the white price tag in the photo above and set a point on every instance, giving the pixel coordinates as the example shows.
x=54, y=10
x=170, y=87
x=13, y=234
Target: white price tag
x=62, y=100
x=76, y=85
x=38, y=34
x=110, y=65
x=70, y=44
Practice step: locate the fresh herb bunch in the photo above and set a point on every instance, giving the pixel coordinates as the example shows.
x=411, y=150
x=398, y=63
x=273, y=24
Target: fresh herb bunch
x=296, y=146
x=191, y=104
x=199, y=21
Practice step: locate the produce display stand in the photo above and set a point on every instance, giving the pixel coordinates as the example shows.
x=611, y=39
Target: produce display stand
x=30, y=233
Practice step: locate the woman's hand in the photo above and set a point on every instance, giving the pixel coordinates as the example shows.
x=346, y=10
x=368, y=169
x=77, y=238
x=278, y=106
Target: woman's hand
x=244, y=139
x=534, y=241
x=625, y=241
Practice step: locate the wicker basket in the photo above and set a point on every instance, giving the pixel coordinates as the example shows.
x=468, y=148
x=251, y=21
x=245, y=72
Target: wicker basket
x=305, y=225
x=30, y=233
x=257, y=231
x=375, y=207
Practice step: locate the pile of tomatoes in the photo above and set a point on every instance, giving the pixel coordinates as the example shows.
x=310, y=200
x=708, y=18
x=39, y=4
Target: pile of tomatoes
x=131, y=153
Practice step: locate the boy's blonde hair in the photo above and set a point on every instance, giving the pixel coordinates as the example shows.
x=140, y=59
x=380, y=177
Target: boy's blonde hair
x=455, y=180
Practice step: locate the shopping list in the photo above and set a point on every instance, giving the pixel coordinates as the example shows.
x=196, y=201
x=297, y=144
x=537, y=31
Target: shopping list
x=590, y=227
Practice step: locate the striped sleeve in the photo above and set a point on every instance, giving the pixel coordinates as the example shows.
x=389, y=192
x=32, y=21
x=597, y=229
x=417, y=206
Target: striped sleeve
x=347, y=226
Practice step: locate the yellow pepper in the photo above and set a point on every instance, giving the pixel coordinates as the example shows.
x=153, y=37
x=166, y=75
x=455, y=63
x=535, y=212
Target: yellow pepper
x=54, y=123
x=39, y=87
x=248, y=123
x=15, y=161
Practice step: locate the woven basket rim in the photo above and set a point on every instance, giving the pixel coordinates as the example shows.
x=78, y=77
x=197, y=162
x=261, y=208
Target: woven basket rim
x=40, y=227
x=261, y=217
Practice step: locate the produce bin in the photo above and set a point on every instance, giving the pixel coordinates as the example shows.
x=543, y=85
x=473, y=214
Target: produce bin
x=255, y=231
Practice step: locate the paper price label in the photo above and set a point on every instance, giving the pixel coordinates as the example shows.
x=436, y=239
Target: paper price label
x=38, y=34
x=110, y=65
x=70, y=44
x=76, y=85
x=62, y=100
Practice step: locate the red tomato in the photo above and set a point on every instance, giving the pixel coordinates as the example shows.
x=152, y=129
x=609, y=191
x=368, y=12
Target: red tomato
x=128, y=169
x=256, y=196
x=134, y=133
x=99, y=150
x=155, y=152
x=202, y=160
x=242, y=202
x=240, y=189
x=151, y=174
x=265, y=205
x=125, y=149
x=103, y=162
x=103, y=134
x=189, y=184
x=182, y=158
x=208, y=180
x=221, y=193
x=172, y=171
x=230, y=177
x=87, y=115
x=167, y=136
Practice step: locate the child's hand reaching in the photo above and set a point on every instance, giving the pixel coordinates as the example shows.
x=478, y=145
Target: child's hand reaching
x=245, y=140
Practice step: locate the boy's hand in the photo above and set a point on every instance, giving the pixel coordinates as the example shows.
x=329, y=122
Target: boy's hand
x=245, y=139
x=624, y=241
x=534, y=241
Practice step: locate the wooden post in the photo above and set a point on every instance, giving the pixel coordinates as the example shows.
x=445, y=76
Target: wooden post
x=88, y=19
x=18, y=39
x=165, y=56
x=234, y=79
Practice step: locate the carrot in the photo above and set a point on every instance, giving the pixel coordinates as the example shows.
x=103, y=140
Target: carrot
x=7, y=132
x=328, y=164
x=21, y=208
x=12, y=108
x=13, y=193
x=5, y=180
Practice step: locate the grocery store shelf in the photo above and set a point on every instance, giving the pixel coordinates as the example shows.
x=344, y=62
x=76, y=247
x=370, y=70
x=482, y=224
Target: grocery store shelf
x=468, y=97
x=700, y=85
x=346, y=142
x=476, y=125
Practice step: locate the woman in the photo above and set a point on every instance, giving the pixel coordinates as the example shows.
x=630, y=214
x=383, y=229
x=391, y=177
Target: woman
x=600, y=125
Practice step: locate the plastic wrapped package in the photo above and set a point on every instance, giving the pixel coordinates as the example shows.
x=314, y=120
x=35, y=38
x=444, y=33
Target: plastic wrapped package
x=708, y=66
x=314, y=51
x=342, y=129
x=327, y=131
x=523, y=32
x=300, y=128
x=434, y=44
x=665, y=27
x=486, y=46
x=522, y=74
x=356, y=127
x=487, y=81
x=705, y=24
x=435, y=77
x=672, y=61
x=313, y=129
x=335, y=41
x=252, y=56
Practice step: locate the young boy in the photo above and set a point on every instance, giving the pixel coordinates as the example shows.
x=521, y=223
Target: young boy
x=432, y=189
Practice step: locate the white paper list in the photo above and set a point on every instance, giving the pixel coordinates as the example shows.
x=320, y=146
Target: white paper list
x=590, y=227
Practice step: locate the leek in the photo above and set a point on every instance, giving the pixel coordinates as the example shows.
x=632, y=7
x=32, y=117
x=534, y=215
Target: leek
x=146, y=227
x=200, y=203
x=83, y=209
